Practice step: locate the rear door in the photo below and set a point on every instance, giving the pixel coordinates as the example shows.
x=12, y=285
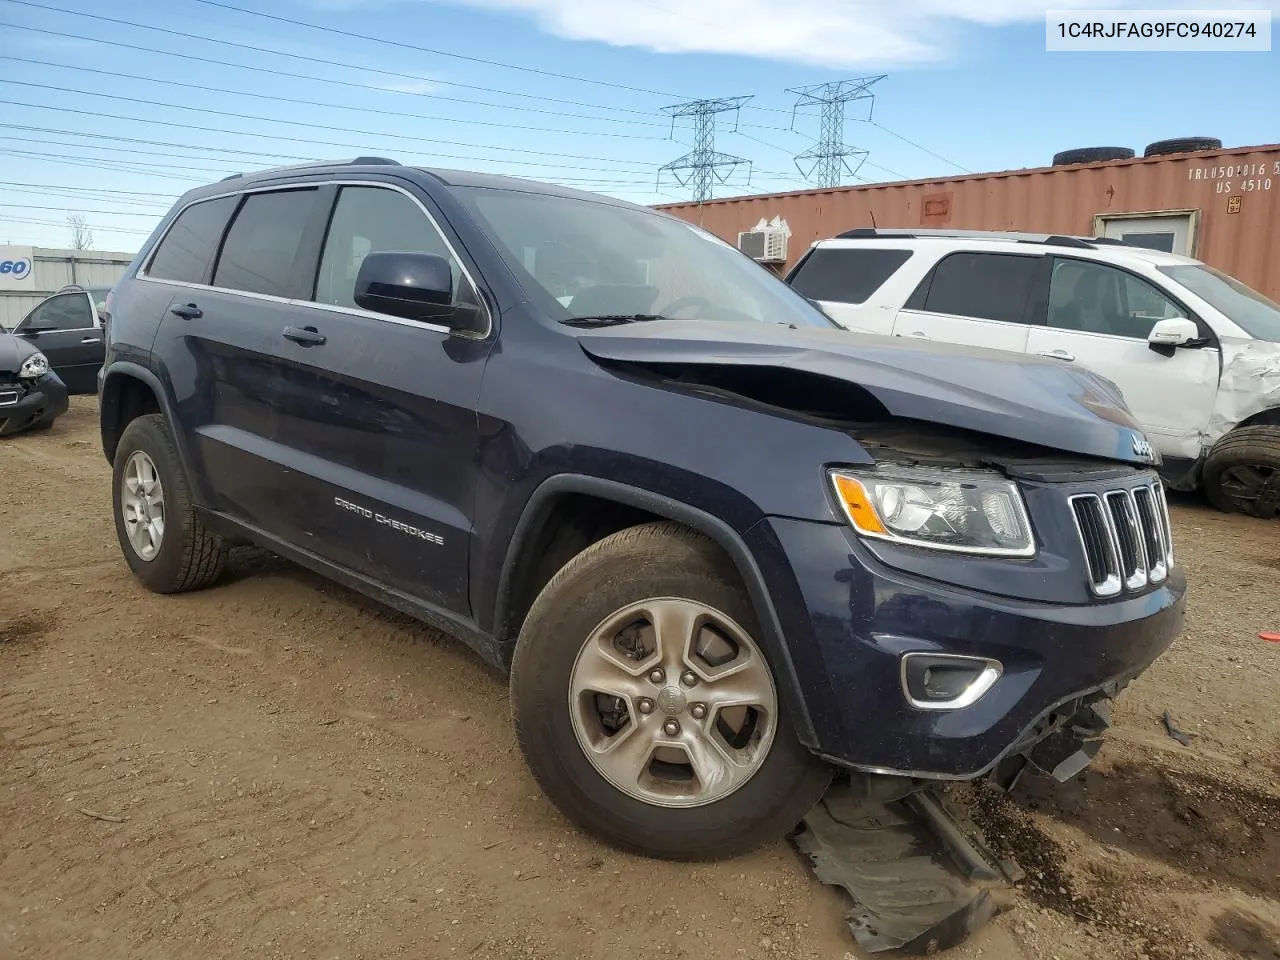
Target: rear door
x=219, y=341
x=378, y=421
x=1099, y=317
x=65, y=329
x=977, y=299
x=844, y=280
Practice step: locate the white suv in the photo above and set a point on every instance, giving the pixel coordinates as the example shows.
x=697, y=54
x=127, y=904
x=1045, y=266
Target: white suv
x=1195, y=352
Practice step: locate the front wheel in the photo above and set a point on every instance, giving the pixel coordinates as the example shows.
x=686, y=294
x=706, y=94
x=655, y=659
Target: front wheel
x=646, y=708
x=1242, y=472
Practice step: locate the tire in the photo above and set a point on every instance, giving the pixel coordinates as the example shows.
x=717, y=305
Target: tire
x=189, y=556
x=1181, y=145
x=1092, y=155
x=641, y=564
x=1244, y=455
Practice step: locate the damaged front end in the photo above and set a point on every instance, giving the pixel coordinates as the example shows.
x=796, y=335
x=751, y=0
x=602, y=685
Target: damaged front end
x=919, y=871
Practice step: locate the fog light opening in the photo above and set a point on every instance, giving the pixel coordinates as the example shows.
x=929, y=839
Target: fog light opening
x=939, y=681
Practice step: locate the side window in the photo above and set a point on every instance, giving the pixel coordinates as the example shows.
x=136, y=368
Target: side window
x=187, y=249
x=1096, y=298
x=843, y=275
x=987, y=286
x=375, y=220
x=261, y=249
x=67, y=311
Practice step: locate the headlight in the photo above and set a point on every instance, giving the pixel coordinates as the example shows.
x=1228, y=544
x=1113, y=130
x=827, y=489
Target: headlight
x=964, y=511
x=36, y=365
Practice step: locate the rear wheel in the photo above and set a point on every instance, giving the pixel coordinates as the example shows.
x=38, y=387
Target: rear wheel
x=647, y=709
x=164, y=542
x=1242, y=472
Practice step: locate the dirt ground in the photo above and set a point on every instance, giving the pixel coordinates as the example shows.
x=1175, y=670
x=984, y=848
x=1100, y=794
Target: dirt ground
x=277, y=768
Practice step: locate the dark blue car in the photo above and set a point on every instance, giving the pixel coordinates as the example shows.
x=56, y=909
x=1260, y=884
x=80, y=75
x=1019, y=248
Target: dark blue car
x=724, y=549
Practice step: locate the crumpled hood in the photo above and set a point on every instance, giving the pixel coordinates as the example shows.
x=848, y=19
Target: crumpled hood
x=13, y=351
x=1022, y=397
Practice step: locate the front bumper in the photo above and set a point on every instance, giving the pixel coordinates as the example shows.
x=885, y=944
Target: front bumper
x=38, y=401
x=848, y=619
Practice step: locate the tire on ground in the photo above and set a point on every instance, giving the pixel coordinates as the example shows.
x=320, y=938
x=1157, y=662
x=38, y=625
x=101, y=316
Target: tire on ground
x=1092, y=155
x=650, y=561
x=190, y=556
x=1245, y=447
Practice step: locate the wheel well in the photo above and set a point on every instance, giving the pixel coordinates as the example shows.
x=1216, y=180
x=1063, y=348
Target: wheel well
x=124, y=399
x=1267, y=418
x=566, y=526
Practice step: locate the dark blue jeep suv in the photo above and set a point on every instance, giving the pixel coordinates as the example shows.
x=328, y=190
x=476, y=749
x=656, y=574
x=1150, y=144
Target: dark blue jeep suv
x=724, y=549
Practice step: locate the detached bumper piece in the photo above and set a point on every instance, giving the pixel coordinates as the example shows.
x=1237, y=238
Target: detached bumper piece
x=921, y=878
x=1061, y=745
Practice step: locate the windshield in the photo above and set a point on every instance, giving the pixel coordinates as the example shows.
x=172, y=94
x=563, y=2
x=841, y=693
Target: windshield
x=1251, y=311
x=581, y=258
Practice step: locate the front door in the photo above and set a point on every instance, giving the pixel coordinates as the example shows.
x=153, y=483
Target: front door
x=377, y=415
x=65, y=329
x=1099, y=317
x=973, y=298
x=1170, y=232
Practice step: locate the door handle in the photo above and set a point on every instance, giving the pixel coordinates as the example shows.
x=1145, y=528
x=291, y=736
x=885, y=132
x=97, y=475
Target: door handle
x=187, y=311
x=917, y=335
x=91, y=340
x=305, y=336
x=1059, y=355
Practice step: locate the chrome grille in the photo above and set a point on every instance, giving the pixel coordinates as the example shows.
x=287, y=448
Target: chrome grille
x=1125, y=537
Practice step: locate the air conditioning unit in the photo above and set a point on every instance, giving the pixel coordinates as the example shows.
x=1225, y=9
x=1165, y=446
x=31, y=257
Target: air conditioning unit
x=766, y=242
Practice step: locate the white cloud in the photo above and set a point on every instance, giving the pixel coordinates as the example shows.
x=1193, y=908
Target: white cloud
x=848, y=34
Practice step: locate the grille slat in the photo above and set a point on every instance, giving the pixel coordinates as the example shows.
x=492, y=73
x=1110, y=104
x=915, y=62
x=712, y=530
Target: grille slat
x=1125, y=537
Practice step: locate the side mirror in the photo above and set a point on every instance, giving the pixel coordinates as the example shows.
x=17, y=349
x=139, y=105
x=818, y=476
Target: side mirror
x=35, y=328
x=415, y=286
x=1174, y=332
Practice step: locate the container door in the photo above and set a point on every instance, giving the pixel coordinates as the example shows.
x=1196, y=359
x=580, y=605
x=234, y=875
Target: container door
x=1170, y=233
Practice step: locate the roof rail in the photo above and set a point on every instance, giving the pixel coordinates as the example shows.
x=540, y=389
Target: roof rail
x=1047, y=239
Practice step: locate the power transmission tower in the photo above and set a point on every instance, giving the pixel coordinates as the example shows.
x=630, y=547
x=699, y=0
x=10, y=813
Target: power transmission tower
x=703, y=166
x=828, y=159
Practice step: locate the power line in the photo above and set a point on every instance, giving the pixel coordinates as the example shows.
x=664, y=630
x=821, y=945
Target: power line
x=438, y=53
x=333, y=106
x=68, y=186
x=298, y=56
x=71, y=209
x=190, y=58
x=275, y=156
x=298, y=123
x=62, y=223
x=47, y=192
x=274, y=136
x=912, y=143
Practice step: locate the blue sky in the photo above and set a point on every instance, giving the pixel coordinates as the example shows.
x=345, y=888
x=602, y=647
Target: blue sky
x=968, y=83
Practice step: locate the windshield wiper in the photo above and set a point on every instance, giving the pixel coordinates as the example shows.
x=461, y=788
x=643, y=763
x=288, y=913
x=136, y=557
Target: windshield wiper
x=611, y=319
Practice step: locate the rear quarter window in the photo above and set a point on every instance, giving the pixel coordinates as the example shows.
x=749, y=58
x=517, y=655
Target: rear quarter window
x=985, y=286
x=187, y=249
x=843, y=275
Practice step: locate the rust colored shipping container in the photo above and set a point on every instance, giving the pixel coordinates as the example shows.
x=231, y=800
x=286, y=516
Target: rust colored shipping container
x=1221, y=206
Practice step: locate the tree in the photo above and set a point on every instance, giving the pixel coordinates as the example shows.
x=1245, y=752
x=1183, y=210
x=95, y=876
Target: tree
x=81, y=235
